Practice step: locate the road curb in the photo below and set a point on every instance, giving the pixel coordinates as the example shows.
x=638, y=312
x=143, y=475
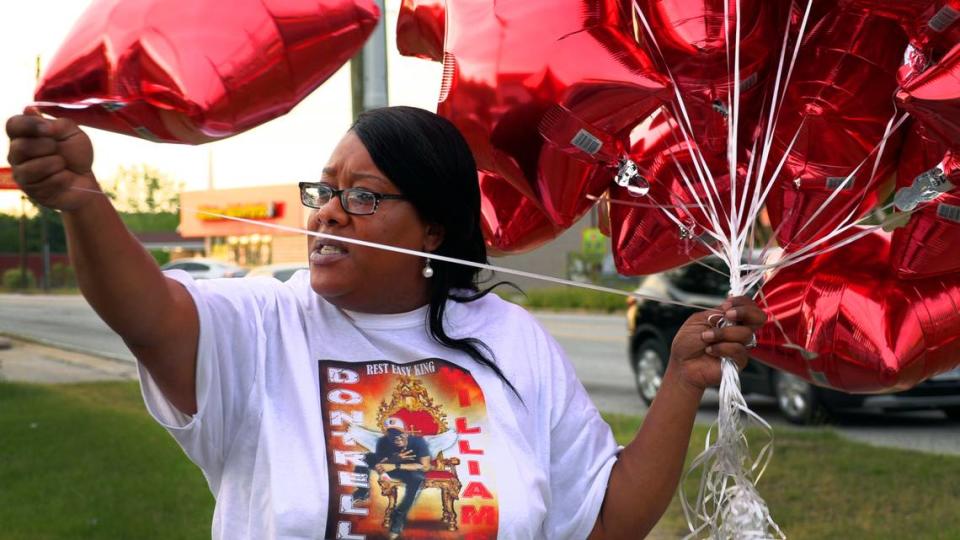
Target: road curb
x=64, y=347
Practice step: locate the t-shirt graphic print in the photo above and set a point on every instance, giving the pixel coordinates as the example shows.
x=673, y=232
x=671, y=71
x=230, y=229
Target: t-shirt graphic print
x=406, y=452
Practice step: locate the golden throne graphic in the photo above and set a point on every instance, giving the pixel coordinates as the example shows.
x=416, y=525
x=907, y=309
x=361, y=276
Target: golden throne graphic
x=411, y=403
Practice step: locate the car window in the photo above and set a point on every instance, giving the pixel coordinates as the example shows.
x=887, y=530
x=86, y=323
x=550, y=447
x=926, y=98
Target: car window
x=195, y=267
x=284, y=275
x=697, y=279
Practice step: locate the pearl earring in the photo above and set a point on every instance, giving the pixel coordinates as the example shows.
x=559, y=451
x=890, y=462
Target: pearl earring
x=427, y=271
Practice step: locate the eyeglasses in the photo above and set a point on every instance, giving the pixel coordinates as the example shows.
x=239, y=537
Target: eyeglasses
x=355, y=201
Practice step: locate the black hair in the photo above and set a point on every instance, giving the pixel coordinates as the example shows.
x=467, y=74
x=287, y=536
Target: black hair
x=428, y=159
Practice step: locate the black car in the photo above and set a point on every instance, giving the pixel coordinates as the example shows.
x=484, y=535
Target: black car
x=652, y=326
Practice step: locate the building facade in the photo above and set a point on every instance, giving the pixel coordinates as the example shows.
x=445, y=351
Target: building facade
x=215, y=217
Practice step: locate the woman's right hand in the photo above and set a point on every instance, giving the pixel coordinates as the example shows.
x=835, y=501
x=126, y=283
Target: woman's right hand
x=51, y=157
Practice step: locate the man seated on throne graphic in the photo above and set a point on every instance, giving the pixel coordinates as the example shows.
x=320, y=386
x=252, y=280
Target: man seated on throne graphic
x=402, y=455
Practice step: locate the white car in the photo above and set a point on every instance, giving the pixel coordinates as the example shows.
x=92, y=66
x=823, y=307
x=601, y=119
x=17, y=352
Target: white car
x=281, y=271
x=205, y=268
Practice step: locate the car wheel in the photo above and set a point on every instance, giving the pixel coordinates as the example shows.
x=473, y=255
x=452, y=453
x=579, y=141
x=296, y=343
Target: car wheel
x=952, y=413
x=798, y=400
x=649, y=363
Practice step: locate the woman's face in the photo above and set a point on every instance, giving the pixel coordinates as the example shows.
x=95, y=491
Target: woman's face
x=362, y=278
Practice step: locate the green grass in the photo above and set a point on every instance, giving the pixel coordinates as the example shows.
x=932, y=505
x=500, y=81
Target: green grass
x=567, y=299
x=820, y=486
x=85, y=461
x=65, y=291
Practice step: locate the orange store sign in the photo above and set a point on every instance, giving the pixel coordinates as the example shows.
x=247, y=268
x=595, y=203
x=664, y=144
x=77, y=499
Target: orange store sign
x=255, y=211
x=6, y=179
x=214, y=213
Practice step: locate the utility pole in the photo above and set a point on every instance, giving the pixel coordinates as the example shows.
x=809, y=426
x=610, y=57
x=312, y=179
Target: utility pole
x=45, y=247
x=44, y=218
x=23, y=241
x=207, y=240
x=368, y=70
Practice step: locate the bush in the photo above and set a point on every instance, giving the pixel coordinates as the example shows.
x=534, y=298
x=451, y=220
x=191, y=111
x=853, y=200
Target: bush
x=62, y=276
x=570, y=298
x=162, y=256
x=12, y=279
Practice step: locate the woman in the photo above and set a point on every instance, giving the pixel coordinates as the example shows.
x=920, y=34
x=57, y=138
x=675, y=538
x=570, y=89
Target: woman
x=280, y=393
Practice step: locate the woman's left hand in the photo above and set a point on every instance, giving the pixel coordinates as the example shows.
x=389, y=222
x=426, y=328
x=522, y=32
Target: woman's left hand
x=700, y=343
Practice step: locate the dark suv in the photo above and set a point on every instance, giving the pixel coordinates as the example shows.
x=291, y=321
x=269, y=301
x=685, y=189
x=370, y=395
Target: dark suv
x=652, y=326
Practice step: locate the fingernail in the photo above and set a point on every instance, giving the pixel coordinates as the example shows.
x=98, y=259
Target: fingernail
x=708, y=335
x=709, y=349
x=730, y=315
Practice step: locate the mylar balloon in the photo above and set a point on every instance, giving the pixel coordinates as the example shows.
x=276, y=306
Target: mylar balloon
x=838, y=107
x=844, y=320
x=931, y=24
x=928, y=186
x=511, y=222
x=697, y=39
x=933, y=98
x=509, y=62
x=195, y=71
x=646, y=239
x=420, y=29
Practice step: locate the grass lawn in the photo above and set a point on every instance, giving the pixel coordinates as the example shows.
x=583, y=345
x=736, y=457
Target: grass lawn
x=820, y=486
x=85, y=461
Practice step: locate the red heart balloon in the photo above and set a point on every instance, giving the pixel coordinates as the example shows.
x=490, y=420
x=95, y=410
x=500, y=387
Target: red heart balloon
x=921, y=152
x=844, y=320
x=512, y=223
x=931, y=24
x=645, y=240
x=694, y=37
x=933, y=98
x=926, y=245
x=905, y=11
x=840, y=102
x=420, y=29
x=509, y=62
x=195, y=71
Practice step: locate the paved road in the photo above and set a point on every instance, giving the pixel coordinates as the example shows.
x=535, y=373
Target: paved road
x=62, y=321
x=596, y=344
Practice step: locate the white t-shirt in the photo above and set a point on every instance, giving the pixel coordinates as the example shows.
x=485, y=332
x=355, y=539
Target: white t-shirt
x=294, y=392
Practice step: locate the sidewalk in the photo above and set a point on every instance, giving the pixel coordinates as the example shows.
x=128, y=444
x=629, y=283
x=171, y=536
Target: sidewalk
x=23, y=361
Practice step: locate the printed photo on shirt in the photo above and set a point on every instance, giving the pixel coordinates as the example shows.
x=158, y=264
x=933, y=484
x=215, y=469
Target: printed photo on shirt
x=406, y=452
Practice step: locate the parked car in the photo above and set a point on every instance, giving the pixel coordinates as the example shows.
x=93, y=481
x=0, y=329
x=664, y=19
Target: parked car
x=652, y=326
x=281, y=271
x=205, y=268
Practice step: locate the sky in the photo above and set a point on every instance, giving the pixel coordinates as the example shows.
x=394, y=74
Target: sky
x=283, y=151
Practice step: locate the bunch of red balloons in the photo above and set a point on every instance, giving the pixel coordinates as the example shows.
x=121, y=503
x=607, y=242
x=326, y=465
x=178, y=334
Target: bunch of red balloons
x=877, y=314
x=840, y=105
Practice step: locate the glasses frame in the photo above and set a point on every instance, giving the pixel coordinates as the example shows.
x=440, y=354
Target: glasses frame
x=342, y=194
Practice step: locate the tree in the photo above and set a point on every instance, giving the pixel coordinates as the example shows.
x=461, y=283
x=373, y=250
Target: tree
x=10, y=233
x=142, y=189
x=147, y=199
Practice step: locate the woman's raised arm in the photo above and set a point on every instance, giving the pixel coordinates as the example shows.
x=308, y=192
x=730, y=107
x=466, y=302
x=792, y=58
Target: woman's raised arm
x=155, y=316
